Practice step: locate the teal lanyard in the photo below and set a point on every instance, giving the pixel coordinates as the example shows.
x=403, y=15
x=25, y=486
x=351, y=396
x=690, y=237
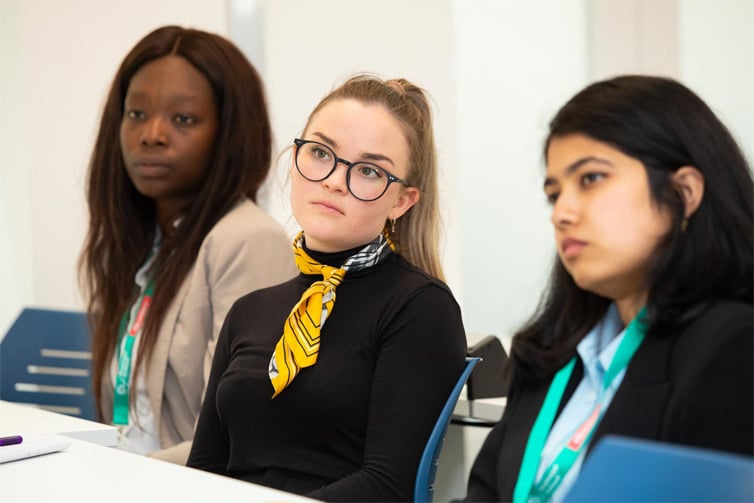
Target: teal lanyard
x=528, y=491
x=124, y=353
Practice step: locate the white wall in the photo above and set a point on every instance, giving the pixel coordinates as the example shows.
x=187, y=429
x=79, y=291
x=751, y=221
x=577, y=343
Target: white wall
x=708, y=45
x=634, y=36
x=491, y=102
x=496, y=70
x=304, y=49
x=57, y=58
x=717, y=61
x=517, y=62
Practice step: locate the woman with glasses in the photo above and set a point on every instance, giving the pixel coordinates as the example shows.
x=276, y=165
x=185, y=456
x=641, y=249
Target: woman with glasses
x=329, y=385
x=646, y=330
x=174, y=235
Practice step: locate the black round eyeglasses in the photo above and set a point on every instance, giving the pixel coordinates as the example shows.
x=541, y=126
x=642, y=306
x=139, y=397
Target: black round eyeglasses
x=365, y=181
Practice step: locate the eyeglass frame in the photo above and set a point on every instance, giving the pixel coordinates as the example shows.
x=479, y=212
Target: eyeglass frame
x=299, y=142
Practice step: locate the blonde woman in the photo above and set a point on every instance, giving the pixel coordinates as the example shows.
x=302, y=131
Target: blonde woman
x=345, y=418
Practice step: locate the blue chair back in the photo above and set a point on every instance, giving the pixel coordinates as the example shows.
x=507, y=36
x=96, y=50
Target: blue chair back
x=629, y=469
x=45, y=361
x=425, y=476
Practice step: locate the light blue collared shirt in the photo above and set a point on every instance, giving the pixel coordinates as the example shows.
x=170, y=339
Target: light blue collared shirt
x=596, y=351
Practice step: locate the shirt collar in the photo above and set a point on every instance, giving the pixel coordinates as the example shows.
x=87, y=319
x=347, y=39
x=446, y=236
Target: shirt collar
x=141, y=277
x=598, y=347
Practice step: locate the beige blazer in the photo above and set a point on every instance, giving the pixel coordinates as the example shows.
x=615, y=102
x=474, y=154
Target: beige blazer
x=246, y=250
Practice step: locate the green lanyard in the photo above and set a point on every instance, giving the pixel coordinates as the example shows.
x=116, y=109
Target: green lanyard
x=528, y=491
x=125, y=350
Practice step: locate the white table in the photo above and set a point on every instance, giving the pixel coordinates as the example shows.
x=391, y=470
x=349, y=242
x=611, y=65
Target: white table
x=486, y=411
x=89, y=472
x=17, y=419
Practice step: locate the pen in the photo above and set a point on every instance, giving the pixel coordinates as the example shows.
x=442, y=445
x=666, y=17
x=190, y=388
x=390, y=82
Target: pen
x=12, y=440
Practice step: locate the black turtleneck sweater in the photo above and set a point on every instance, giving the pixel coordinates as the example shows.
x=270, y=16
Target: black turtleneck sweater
x=353, y=426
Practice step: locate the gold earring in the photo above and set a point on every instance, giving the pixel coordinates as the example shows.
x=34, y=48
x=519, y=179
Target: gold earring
x=684, y=225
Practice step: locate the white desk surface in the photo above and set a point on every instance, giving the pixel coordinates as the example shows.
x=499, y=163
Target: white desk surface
x=87, y=472
x=17, y=419
x=484, y=409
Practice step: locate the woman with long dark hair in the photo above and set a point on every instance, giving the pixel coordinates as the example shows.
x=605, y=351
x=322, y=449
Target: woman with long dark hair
x=174, y=234
x=646, y=329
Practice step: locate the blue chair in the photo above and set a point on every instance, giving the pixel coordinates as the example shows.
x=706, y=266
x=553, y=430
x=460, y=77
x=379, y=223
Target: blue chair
x=630, y=469
x=45, y=362
x=425, y=476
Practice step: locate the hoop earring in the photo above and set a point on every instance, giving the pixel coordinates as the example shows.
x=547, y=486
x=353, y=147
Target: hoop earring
x=392, y=226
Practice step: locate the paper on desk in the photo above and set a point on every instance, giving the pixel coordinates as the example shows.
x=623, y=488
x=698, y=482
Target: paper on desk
x=33, y=445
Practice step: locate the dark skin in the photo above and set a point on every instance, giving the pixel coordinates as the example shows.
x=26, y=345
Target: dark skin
x=167, y=134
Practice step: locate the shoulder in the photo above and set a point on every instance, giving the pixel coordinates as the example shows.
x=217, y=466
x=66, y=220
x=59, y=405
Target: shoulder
x=247, y=230
x=410, y=294
x=412, y=276
x=723, y=331
x=265, y=301
x=711, y=380
x=722, y=317
x=249, y=244
x=404, y=283
x=246, y=219
x=291, y=287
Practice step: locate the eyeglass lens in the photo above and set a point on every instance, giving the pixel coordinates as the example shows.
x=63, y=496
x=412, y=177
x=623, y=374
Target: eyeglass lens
x=316, y=162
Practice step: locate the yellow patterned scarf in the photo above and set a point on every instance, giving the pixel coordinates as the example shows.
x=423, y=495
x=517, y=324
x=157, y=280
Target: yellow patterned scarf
x=299, y=345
